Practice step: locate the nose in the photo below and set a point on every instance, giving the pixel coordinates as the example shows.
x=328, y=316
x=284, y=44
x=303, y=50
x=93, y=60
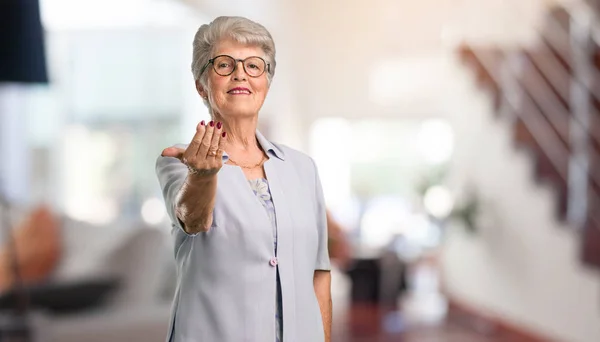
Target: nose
x=239, y=73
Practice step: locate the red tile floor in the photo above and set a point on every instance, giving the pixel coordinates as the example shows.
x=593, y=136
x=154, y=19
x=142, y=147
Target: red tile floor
x=432, y=333
x=421, y=319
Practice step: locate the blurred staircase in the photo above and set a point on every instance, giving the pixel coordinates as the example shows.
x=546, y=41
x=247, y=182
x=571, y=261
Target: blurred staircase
x=550, y=92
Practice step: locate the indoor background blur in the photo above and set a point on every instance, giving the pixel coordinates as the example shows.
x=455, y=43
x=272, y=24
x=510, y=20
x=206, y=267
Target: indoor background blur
x=458, y=144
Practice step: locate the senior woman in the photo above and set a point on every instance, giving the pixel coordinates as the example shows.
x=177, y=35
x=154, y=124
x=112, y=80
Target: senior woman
x=248, y=215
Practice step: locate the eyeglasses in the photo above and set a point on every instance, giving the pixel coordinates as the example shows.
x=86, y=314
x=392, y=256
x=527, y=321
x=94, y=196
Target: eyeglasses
x=225, y=65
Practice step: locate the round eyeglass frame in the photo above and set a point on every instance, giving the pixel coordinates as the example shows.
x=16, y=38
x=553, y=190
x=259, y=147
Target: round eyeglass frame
x=235, y=65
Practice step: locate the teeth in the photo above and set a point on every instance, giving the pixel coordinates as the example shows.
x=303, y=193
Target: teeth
x=239, y=92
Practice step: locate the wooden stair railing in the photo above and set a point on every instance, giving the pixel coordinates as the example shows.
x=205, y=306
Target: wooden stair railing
x=551, y=93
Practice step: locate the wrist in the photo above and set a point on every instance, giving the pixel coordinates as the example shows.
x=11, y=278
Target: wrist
x=200, y=179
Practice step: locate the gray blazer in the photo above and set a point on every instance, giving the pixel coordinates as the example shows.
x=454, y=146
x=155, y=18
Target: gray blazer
x=226, y=284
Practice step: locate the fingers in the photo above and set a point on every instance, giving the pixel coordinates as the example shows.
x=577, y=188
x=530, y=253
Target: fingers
x=173, y=152
x=206, y=140
x=196, y=143
x=222, y=145
x=205, y=152
x=214, y=143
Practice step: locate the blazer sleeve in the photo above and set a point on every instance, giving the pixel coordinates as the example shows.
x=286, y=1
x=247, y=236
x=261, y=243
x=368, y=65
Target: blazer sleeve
x=322, y=260
x=171, y=174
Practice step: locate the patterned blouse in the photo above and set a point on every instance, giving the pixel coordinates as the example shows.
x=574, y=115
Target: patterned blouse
x=260, y=187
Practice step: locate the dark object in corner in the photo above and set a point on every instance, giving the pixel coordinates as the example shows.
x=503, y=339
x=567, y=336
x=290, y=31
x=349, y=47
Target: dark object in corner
x=22, y=50
x=63, y=297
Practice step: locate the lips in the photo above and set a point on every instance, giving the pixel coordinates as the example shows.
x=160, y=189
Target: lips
x=239, y=91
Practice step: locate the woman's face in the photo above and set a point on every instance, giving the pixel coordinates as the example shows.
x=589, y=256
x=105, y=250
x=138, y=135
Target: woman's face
x=237, y=94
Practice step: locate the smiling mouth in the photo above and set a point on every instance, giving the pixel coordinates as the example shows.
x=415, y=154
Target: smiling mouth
x=239, y=91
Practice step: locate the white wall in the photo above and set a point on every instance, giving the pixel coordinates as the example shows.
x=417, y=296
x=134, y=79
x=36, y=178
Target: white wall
x=523, y=265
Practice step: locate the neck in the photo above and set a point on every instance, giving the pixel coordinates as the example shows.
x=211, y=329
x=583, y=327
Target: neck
x=241, y=132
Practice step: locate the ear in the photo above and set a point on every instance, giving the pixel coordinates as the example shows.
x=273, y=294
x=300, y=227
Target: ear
x=200, y=90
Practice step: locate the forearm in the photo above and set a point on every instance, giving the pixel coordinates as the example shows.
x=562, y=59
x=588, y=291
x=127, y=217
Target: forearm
x=195, y=203
x=322, y=285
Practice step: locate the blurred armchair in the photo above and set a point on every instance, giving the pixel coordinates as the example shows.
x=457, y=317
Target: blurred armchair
x=54, y=251
x=38, y=248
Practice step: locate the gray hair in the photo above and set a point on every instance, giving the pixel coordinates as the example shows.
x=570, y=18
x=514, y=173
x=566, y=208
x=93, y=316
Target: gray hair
x=241, y=30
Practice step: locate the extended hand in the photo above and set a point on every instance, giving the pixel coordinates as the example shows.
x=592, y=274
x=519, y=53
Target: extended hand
x=204, y=155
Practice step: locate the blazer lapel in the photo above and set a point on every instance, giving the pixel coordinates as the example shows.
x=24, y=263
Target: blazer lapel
x=274, y=168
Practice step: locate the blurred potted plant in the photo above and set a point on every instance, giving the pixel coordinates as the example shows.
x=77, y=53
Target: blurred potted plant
x=467, y=212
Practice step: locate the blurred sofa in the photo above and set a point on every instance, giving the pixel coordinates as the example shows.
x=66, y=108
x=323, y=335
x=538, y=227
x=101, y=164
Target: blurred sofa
x=138, y=308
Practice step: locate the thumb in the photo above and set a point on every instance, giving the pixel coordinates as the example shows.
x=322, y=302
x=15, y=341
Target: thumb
x=173, y=152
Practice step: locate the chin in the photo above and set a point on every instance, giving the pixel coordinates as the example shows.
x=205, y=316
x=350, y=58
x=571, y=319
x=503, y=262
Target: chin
x=240, y=111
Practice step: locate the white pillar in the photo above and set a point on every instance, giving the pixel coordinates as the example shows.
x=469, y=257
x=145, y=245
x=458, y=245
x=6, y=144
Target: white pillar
x=14, y=150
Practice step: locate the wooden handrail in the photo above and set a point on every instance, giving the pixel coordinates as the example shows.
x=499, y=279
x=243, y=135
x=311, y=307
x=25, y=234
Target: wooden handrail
x=542, y=95
x=557, y=113
x=540, y=128
x=552, y=69
x=555, y=71
x=556, y=102
x=551, y=109
x=554, y=40
x=537, y=124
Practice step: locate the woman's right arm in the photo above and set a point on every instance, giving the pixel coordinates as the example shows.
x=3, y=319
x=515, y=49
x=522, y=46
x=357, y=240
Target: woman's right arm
x=195, y=203
x=194, y=200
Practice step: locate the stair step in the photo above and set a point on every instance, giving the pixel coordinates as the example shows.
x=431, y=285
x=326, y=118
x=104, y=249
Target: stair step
x=591, y=244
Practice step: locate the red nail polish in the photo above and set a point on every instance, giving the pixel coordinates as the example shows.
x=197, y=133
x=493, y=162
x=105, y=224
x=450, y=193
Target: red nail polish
x=219, y=125
x=211, y=123
x=202, y=123
x=224, y=134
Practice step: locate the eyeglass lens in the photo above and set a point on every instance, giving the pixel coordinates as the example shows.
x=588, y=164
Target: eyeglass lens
x=225, y=65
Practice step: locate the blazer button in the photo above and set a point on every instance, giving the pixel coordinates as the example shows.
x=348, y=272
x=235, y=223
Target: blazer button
x=273, y=262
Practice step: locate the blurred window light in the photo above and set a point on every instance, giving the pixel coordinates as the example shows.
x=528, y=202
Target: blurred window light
x=329, y=142
x=384, y=218
x=438, y=201
x=99, y=211
x=90, y=14
x=369, y=142
x=87, y=157
x=347, y=213
x=385, y=141
x=436, y=141
x=153, y=211
x=390, y=219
